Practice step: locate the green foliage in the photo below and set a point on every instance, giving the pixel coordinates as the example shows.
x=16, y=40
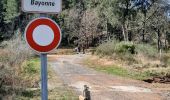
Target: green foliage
x=113, y=70
x=112, y=47
x=9, y=18
x=19, y=51
x=68, y=3
x=30, y=94
x=147, y=50
x=11, y=10
x=119, y=71
x=126, y=50
x=106, y=10
x=122, y=50
x=124, y=72
x=106, y=48
x=125, y=47
x=114, y=16
x=32, y=66
x=12, y=55
x=160, y=72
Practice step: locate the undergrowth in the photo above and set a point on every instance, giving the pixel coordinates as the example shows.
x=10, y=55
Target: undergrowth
x=117, y=70
x=125, y=48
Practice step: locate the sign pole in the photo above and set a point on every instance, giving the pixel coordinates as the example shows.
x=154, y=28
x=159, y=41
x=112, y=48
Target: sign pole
x=43, y=34
x=44, y=86
x=44, y=80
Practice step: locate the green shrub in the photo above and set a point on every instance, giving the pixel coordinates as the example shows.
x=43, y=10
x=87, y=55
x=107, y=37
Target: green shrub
x=30, y=94
x=146, y=50
x=158, y=73
x=32, y=66
x=111, y=47
x=125, y=47
x=12, y=55
x=106, y=48
x=15, y=52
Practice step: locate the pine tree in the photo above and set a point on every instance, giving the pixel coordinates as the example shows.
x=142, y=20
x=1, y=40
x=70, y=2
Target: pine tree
x=11, y=10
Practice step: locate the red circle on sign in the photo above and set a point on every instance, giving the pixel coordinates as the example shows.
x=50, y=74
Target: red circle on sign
x=43, y=21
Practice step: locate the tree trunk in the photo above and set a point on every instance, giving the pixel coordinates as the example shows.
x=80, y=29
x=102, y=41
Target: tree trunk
x=123, y=32
x=159, y=44
x=143, y=35
x=129, y=36
x=166, y=47
x=125, y=19
x=1, y=83
x=68, y=40
x=126, y=31
x=144, y=28
x=158, y=41
x=87, y=42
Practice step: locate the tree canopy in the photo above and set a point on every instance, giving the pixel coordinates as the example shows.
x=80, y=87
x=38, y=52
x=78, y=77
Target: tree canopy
x=92, y=21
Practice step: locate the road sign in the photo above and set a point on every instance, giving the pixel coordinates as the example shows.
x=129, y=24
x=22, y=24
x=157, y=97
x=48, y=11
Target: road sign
x=42, y=6
x=43, y=35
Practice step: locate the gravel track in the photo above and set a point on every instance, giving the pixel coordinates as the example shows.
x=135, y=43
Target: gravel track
x=102, y=86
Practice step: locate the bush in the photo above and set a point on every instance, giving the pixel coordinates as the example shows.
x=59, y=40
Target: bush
x=121, y=50
x=112, y=47
x=31, y=68
x=12, y=55
x=165, y=60
x=125, y=47
x=146, y=50
x=126, y=50
x=16, y=51
x=106, y=48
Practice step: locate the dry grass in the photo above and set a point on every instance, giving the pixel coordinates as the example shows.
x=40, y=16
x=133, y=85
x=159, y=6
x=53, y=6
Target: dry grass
x=113, y=67
x=22, y=75
x=12, y=55
x=15, y=52
x=146, y=68
x=56, y=89
x=63, y=52
x=145, y=57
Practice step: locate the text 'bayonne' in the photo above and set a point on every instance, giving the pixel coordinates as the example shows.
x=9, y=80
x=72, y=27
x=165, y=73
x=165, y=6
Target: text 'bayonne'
x=42, y=3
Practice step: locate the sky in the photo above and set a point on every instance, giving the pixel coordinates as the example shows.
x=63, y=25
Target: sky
x=168, y=1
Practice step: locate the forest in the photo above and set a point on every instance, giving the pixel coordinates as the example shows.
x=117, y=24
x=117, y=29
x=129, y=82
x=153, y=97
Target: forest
x=95, y=21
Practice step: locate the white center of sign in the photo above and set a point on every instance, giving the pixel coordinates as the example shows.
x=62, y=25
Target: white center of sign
x=43, y=35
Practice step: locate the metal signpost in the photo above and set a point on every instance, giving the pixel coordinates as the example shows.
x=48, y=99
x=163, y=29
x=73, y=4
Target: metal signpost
x=44, y=83
x=42, y=34
x=44, y=78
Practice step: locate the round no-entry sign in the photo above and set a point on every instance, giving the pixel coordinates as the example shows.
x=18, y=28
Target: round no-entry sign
x=43, y=35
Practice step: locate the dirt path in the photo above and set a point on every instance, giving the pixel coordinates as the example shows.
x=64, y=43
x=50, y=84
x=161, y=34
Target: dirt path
x=102, y=86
